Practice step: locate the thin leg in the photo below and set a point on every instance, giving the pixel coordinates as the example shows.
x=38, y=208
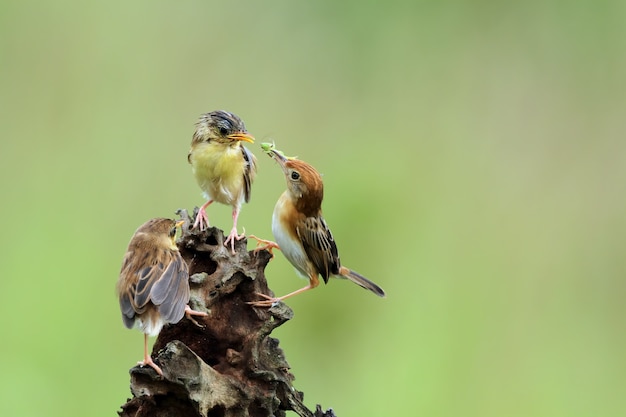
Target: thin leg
x=147, y=360
x=189, y=313
x=267, y=245
x=202, y=218
x=269, y=301
x=233, y=232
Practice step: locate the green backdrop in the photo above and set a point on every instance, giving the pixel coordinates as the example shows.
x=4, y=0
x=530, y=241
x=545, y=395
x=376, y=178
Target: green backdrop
x=474, y=160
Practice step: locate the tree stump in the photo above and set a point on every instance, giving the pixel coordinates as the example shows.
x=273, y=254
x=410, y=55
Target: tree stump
x=223, y=365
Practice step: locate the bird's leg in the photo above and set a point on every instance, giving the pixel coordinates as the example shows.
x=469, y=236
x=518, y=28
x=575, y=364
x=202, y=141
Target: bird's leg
x=267, y=245
x=270, y=301
x=189, y=313
x=147, y=359
x=202, y=218
x=233, y=232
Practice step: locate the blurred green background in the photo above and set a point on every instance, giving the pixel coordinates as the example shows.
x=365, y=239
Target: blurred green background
x=474, y=161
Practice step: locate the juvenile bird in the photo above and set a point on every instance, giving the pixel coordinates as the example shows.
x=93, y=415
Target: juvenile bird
x=224, y=169
x=301, y=232
x=153, y=287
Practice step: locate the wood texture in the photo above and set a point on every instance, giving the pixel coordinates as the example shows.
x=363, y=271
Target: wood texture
x=227, y=364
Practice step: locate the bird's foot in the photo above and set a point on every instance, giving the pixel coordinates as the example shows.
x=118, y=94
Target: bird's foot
x=202, y=220
x=232, y=237
x=268, y=302
x=149, y=362
x=189, y=313
x=262, y=244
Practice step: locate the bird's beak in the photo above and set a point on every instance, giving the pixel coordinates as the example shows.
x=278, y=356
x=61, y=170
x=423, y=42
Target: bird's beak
x=179, y=223
x=244, y=136
x=278, y=157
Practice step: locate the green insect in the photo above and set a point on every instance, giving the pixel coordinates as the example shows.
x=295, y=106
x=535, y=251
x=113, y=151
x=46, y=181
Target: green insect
x=268, y=148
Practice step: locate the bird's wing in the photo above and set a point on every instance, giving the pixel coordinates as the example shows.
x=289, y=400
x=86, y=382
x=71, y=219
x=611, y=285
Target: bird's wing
x=165, y=284
x=126, y=288
x=170, y=293
x=249, y=172
x=319, y=246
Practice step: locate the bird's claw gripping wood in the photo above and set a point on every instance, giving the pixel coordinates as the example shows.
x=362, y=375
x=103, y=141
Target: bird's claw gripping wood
x=262, y=244
x=189, y=313
x=268, y=302
x=232, y=237
x=149, y=362
x=202, y=220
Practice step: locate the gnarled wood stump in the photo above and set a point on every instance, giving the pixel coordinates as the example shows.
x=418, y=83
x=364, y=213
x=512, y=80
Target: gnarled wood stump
x=224, y=365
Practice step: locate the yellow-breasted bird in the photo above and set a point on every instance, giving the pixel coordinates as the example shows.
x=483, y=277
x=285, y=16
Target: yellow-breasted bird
x=153, y=287
x=224, y=169
x=301, y=232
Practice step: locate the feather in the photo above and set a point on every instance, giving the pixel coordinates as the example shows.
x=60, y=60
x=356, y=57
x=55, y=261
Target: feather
x=249, y=172
x=319, y=245
x=171, y=292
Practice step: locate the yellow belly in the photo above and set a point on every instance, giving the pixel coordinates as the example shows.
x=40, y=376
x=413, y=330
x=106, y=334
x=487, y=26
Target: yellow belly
x=219, y=172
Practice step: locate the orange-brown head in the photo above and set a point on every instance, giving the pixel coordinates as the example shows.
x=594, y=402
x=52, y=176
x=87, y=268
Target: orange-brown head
x=304, y=184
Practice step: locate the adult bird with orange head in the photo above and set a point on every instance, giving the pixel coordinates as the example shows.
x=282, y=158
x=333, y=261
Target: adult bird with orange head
x=301, y=232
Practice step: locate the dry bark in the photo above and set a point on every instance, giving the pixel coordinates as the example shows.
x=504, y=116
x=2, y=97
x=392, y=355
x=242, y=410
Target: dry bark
x=224, y=365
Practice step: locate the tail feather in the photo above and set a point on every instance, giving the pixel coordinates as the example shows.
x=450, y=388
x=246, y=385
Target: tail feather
x=361, y=280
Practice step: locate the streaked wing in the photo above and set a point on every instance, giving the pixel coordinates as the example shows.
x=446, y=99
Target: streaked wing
x=164, y=284
x=170, y=292
x=319, y=245
x=146, y=277
x=125, y=289
x=249, y=172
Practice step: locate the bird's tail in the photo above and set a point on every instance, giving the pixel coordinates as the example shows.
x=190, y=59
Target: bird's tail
x=361, y=280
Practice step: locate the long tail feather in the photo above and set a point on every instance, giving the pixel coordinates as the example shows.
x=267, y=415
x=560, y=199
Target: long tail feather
x=361, y=280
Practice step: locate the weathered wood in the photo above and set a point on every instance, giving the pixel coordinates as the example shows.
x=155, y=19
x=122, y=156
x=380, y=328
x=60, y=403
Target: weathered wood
x=224, y=365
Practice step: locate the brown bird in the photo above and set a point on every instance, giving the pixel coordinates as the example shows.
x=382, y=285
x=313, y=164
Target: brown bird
x=301, y=232
x=153, y=287
x=224, y=169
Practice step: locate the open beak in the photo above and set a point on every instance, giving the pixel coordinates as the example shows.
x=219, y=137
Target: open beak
x=278, y=157
x=244, y=136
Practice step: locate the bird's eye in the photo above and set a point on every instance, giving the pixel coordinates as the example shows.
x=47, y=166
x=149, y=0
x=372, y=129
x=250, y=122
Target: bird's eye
x=295, y=175
x=224, y=127
x=173, y=231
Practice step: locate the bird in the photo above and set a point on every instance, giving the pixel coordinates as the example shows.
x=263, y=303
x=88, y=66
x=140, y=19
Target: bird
x=301, y=232
x=223, y=168
x=153, y=286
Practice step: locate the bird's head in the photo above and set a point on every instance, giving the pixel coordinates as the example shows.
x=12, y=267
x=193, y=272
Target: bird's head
x=221, y=127
x=159, y=229
x=304, y=183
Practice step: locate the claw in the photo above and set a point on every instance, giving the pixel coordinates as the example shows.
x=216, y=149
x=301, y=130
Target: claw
x=149, y=362
x=147, y=359
x=202, y=220
x=189, y=313
x=268, y=302
x=232, y=237
x=268, y=245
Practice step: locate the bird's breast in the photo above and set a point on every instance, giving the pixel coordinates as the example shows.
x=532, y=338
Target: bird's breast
x=219, y=171
x=283, y=228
